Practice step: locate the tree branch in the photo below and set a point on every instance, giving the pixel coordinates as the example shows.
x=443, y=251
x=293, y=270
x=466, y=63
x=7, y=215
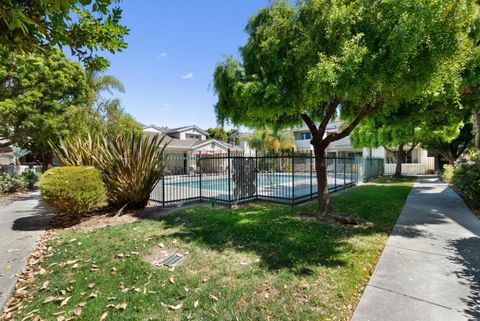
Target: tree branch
x=389, y=149
x=413, y=146
x=332, y=107
x=344, y=133
x=310, y=124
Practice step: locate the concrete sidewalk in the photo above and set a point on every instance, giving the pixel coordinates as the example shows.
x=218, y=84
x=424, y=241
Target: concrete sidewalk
x=430, y=267
x=21, y=224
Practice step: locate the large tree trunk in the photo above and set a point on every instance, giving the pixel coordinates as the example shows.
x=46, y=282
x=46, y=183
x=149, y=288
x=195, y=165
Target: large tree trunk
x=400, y=158
x=476, y=120
x=322, y=181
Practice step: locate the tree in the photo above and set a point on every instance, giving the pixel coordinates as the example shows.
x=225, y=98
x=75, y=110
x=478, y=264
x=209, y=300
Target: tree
x=411, y=124
x=452, y=149
x=396, y=134
x=98, y=83
x=320, y=58
x=268, y=141
x=39, y=98
x=83, y=25
x=218, y=133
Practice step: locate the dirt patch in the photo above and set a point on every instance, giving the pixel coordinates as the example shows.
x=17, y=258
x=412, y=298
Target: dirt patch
x=104, y=221
x=157, y=254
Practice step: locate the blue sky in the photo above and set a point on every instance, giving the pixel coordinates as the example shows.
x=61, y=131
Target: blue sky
x=173, y=47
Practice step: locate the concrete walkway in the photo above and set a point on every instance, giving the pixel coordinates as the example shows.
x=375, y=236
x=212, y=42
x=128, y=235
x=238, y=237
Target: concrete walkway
x=430, y=267
x=21, y=224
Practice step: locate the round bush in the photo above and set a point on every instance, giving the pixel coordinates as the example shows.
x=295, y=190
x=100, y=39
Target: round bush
x=73, y=190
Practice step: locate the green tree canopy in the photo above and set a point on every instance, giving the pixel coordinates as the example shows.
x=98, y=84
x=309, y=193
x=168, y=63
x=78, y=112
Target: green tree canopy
x=218, y=133
x=320, y=58
x=451, y=149
x=85, y=26
x=39, y=97
x=269, y=141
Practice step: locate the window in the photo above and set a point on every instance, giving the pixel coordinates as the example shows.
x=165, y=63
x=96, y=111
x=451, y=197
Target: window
x=193, y=137
x=306, y=136
x=412, y=157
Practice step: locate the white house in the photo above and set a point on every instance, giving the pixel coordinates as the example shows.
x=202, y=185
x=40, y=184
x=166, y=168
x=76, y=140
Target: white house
x=417, y=162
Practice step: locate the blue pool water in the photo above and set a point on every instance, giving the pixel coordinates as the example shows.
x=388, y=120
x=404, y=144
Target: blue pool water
x=221, y=184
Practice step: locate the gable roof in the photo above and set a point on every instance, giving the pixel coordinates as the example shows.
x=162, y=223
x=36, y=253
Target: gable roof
x=185, y=128
x=157, y=128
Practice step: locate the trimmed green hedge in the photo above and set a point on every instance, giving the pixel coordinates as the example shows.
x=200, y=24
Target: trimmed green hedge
x=73, y=190
x=465, y=177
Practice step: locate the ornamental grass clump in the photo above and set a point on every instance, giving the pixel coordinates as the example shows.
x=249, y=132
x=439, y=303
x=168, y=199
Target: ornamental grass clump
x=73, y=190
x=130, y=164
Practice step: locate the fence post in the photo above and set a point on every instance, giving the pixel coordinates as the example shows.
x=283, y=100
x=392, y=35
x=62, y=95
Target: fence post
x=229, y=178
x=200, y=173
x=334, y=171
x=344, y=172
x=351, y=171
x=256, y=174
x=163, y=190
x=311, y=173
x=293, y=177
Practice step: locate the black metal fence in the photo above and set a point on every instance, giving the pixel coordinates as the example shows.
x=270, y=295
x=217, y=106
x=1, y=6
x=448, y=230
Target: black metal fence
x=235, y=178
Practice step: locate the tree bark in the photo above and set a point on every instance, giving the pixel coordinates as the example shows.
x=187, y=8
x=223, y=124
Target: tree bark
x=400, y=158
x=323, y=197
x=476, y=120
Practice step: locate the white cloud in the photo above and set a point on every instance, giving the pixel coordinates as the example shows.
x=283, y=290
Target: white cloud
x=161, y=55
x=187, y=76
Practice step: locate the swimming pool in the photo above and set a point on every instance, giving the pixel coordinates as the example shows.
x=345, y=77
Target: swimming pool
x=221, y=184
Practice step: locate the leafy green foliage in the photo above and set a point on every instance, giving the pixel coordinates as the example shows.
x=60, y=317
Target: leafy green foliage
x=268, y=141
x=218, y=133
x=11, y=183
x=465, y=177
x=131, y=164
x=39, y=97
x=83, y=25
x=454, y=148
x=298, y=59
x=319, y=59
x=73, y=190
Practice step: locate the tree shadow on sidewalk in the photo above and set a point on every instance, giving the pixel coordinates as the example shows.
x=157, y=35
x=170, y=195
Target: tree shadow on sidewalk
x=468, y=255
x=36, y=218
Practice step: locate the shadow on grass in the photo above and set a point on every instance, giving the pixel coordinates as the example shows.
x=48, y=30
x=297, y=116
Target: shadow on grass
x=281, y=238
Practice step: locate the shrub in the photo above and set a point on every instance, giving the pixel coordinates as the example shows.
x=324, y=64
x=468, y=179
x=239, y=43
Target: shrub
x=73, y=190
x=130, y=164
x=11, y=183
x=465, y=177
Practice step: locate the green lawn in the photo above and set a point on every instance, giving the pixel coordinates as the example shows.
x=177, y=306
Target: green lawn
x=256, y=262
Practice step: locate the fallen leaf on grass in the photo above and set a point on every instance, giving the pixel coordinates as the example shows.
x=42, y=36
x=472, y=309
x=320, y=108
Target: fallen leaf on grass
x=49, y=299
x=121, y=306
x=91, y=285
x=175, y=307
x=77, y=311
x=45, y=285
x=65, y=301
x=195, y=304
x=104, y=316
x=172, y=280
x=213, y=298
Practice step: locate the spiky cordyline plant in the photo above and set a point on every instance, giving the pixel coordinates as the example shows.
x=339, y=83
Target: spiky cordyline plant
x=131, y=164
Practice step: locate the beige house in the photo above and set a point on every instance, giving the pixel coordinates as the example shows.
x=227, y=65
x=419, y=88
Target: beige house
x=186, y=144
x=418, y=161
